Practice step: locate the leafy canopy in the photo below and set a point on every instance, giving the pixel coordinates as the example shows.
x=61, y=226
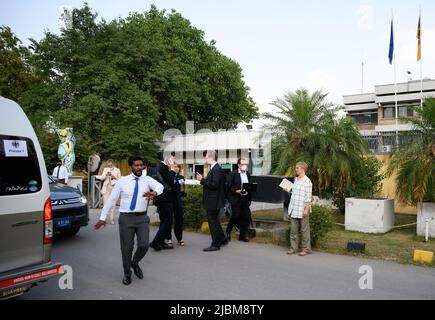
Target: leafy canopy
x=121, y=83
x=307, y=129
x=414, y=163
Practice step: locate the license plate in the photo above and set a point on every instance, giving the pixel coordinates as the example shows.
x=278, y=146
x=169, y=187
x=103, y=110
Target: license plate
x=13, y=292
x=62, y=222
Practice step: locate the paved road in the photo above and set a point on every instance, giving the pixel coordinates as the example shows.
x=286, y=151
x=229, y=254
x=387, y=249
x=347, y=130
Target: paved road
x=238, y=271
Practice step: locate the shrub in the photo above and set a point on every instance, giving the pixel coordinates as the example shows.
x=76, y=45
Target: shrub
x=321, y=222
x=194, y=213
x=366, y=182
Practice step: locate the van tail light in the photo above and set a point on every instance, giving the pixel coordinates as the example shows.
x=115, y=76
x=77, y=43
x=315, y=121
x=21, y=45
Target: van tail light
x=48, y=222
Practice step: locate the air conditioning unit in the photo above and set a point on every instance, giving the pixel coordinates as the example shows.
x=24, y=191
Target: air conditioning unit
x=386, y=149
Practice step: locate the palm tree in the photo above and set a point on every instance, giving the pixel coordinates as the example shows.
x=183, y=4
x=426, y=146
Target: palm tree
x=414, y=163
x=306, y=128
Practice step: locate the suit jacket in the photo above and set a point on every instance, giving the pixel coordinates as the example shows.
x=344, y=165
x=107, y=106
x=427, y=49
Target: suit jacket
x=214, y=189
x=168, y=177
x=104, y=177
x=235, y=183
x=151, y=172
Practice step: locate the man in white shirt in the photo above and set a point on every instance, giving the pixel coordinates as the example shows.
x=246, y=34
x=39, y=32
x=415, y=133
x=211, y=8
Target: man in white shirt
x=135, y=191
x=60, y=172
x=299, y=209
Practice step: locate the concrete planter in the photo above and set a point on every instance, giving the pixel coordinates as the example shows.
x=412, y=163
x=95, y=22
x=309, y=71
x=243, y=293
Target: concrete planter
x=428, y=213
x=369, y=215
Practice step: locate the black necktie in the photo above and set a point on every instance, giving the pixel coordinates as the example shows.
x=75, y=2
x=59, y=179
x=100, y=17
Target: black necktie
x=58, y=169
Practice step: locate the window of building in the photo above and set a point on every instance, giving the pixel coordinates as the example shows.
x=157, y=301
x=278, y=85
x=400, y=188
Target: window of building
x=365, y=117
x=389, y=112
x=405, y=111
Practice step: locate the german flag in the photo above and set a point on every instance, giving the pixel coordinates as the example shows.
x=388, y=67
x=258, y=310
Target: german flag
x=419, y=39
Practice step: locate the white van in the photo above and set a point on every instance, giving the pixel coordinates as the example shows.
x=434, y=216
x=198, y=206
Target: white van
x=26, y=221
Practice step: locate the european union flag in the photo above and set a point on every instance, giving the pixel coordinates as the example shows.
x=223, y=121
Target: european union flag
x=419, y=39
x=391, y=52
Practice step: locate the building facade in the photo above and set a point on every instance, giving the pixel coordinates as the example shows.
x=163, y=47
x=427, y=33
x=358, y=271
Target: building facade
x=231, y=145
x=375, y=114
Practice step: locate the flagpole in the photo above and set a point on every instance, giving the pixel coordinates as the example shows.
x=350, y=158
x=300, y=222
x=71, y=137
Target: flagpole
x=421, y=63
x=362, y=68
x=395, y=83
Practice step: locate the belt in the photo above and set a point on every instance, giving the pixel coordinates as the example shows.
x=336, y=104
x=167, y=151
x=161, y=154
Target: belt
x=135, y=213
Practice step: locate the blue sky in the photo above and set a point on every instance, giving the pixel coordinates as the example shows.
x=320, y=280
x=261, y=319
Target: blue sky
x=281, y=45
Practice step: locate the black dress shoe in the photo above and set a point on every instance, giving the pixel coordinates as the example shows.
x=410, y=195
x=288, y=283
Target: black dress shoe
x=126, y=280
x=244, y=239
x=155, y=246
x=137, y=270
x=225, y=242
x=166, y=246
x=210, y=249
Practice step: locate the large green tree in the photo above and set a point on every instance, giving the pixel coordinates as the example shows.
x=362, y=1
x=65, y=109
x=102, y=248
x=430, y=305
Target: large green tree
x=121, y=83
x=16, y=74
x=414, y=162
x=17, y=77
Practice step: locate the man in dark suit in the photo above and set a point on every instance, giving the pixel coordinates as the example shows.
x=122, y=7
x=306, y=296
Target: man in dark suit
x=165, y=174
x=240, y=201
x=213, y=199
x=147, y=170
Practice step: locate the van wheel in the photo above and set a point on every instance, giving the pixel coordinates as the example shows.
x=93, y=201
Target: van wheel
x=70, y=232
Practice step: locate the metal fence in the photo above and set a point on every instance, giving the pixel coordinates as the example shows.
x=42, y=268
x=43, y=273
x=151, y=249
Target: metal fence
x=95, y=196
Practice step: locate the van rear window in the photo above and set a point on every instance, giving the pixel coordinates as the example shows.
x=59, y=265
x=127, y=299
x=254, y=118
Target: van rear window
x=19, y=166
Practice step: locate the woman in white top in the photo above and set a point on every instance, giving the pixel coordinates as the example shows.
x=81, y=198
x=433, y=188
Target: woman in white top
x=299, y=209
x=110, y=175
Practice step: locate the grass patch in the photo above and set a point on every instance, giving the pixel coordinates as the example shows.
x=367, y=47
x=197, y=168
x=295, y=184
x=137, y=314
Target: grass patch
x=397, y=245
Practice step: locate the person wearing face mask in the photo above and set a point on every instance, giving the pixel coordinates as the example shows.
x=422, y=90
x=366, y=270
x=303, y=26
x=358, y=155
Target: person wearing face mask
x=110, y=175
x=165, y=174
x=240, y=201
x=60, y=172
x=178, y=209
